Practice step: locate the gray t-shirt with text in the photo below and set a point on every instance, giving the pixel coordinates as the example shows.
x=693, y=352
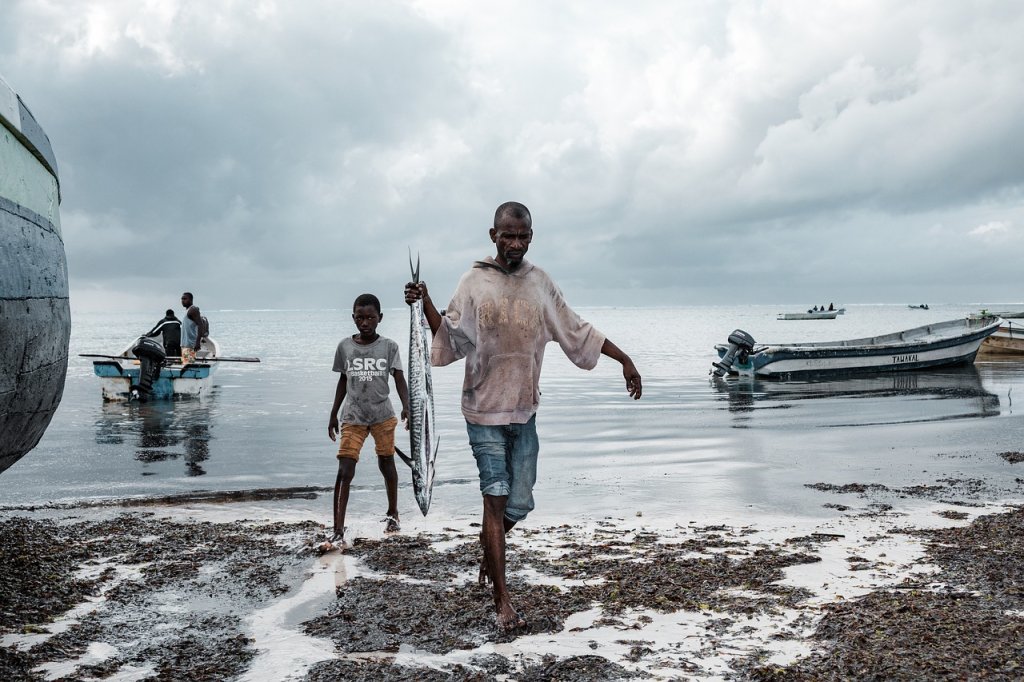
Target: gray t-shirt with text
x=367, y=369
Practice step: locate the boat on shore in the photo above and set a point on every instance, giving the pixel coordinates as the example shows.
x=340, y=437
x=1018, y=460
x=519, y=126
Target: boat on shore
x=1007, y=340
x=1006, y=314
x=142, y=371
x=821, y=315
x=35, y=319
x=939, y=344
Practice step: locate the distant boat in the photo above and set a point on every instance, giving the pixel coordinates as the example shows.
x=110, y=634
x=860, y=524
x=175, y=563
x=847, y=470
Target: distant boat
x=1007, y=340
x=141, y=371
x=942, y=343
x=923, y=306
x=35, y=320
x=821, y=315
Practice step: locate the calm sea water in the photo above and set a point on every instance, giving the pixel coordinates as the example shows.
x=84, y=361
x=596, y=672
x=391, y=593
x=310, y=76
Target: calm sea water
x=690, y=443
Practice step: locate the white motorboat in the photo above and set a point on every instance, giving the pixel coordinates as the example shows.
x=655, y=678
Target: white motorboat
x=942, y=343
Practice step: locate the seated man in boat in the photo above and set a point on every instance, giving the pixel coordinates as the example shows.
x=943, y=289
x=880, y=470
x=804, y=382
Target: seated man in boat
x=169, y=329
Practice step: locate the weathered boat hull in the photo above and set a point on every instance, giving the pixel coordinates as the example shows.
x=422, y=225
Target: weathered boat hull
x=35, y=320
x=1008, y=340
x=116, y=381
x=117, y=376
x=937, y=345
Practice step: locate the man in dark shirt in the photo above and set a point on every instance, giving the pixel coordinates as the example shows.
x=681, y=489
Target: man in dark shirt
x=169, y=329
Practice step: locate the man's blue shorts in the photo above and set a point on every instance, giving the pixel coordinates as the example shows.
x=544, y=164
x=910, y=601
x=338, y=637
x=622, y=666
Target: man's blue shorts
x=506, y=457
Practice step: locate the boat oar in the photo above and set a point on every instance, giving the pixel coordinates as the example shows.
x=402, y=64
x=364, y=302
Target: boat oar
x=122, y=357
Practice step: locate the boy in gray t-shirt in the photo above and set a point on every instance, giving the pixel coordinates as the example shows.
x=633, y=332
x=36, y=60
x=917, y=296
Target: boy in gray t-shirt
x=365, y=360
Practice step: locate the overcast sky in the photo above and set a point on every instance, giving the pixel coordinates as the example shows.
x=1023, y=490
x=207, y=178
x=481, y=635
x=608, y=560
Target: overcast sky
x=287, y=154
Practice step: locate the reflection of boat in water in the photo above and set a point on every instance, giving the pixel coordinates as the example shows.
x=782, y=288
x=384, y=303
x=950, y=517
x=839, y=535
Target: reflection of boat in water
x=125, y=375
x=961, y=383
x=1008, y=339
x=160, y=431
x=939, y=344
x=35, y=321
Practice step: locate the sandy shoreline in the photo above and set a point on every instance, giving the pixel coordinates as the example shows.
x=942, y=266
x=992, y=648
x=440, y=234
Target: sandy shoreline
x=234, y=590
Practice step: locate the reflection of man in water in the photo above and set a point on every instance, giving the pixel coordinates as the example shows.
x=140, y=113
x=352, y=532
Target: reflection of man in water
x=197, y=447
x=161, y=427
x=169, y=329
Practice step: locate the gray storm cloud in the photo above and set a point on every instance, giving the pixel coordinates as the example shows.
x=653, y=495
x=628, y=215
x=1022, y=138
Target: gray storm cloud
x=287, y=154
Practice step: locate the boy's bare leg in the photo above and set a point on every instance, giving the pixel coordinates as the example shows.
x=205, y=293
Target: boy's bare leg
x=387, y=469
x=484, y=578
x=493, y=540
x=346, y=470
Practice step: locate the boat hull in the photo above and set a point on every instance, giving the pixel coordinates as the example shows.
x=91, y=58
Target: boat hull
x=1005, y=341
x=939, y=345
x=35, y=319
x=116, y=381
x=118, y=375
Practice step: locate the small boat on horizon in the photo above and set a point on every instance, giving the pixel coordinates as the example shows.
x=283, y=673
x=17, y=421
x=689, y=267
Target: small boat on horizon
x=939, y=344
x=809, y=315
x=923, y=306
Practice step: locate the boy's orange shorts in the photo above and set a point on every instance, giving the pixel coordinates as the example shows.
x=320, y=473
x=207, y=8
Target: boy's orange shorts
x=354, y=435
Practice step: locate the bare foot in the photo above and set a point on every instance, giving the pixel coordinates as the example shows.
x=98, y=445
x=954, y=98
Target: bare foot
x=508, y=619
x=335, y=542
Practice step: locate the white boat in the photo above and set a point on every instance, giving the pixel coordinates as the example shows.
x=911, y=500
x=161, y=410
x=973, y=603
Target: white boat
x=821, y=315
x=35, y=320
x=123, y=377
x=923, y=306
x=1007, y=340
x=943, y=343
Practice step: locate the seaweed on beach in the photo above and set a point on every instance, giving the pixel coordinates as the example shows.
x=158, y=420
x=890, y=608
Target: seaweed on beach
x=415, y=557
x=165, y=605
x=38, y=560
x=381, y=615
x=909, y=636
x=596, y=668
x=967, y=630
x=387, y=671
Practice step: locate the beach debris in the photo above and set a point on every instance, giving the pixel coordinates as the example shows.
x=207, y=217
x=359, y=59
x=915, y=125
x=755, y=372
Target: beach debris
x=1013, y=457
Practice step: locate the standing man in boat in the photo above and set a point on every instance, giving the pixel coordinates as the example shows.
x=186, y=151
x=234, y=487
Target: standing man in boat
x=169, y=329
x=191, y=330
x=502, y=315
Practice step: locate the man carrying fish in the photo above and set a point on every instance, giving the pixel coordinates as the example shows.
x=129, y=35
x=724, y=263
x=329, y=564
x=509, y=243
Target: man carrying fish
x=504, y=312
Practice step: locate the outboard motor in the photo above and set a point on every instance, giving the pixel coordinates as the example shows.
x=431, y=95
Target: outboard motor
x=740, y=346
x=151, y=355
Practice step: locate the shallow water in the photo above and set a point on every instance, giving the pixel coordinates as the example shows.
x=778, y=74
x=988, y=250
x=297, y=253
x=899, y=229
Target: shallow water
x=690, y=448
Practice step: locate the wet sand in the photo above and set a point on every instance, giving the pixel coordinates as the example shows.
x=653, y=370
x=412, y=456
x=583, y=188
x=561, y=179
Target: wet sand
x=916, y=581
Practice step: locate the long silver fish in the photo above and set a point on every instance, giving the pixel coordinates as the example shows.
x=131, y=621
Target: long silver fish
x=423, y=441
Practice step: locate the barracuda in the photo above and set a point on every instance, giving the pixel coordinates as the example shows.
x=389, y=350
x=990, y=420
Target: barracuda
x=423, y=442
